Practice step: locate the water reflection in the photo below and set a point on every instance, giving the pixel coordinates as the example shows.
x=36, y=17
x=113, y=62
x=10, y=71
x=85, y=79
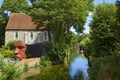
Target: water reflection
x=78, y=69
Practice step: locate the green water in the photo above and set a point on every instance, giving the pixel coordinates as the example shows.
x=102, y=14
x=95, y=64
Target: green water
x=56, y=72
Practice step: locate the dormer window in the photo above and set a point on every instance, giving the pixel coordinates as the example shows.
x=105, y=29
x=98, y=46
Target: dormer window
x=45, y=35
x=16, y=35
x=31, y=35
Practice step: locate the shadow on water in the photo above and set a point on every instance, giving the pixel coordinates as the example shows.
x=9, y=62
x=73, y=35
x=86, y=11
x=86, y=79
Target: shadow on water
x=78, y=69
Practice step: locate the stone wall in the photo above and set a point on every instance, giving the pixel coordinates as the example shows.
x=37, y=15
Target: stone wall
x=24, y=36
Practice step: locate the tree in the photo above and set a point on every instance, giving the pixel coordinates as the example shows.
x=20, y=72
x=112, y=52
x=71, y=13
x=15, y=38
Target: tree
x=60, y=15
x=15, y=5
x=10, y=6
x=105, y=43
x=118, y=23
x=103, y=30
x=3, y=22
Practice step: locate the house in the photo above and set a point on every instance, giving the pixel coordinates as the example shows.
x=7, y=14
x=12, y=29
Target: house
x=21, y=27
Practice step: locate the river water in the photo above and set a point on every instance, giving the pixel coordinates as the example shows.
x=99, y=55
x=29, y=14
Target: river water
x=77, y=70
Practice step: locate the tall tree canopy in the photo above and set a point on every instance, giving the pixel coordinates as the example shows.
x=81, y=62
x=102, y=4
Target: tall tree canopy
x=118, y=17
x=15, y=5
x=103, y=29
x=118, y=25
x=60, y=15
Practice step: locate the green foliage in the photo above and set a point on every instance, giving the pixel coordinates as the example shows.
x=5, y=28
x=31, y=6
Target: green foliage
x=7, y=49
x=73, y=54
x=3, y=23
x=9, y=71
x=15, y=5
x=10, y=44
x=103, y=30
x=56, y=53
x=45, y=61
x=108, y=65
x=74, y=39
x=6, y=52
x=56, y=72
x=59, y=15
x=118, y=23
x=10, y=6
x=25, y=67
x=84, y=40
x=105, y=43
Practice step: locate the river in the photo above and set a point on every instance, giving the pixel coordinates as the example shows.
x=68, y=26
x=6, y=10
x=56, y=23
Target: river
x=77, y=70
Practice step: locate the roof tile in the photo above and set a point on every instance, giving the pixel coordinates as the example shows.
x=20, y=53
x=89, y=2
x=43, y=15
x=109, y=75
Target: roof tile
x=21, y=21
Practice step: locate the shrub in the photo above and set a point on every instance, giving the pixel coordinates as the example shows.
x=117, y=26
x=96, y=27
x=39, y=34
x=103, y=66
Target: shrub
x=6, y=52
x=10, y=43
x=56, y=52
x=9, y=70
x=108, y=66
x=44, y=61
x=25, y=66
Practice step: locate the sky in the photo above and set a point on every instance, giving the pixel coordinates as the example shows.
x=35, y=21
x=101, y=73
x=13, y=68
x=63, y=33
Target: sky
x=89, y=17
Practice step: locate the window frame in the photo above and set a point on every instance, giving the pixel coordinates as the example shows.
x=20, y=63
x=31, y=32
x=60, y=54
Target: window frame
x=31, y=36
x=46, y=36
x=16, y=36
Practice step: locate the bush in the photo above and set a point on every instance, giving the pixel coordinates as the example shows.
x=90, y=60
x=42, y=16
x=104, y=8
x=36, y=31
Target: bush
x=6, y=52
x=44, y=61
x=25, y=66
x=9, y=70
x=56, y=52
x=10, y=43
x=108, y=67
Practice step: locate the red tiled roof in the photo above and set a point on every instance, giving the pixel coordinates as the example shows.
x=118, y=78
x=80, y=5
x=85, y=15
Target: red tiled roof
x=21, y=21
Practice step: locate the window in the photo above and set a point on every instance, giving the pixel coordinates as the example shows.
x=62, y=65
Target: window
x=31, y=35
x=45, y=35
x=39, y=38
x=16, y=35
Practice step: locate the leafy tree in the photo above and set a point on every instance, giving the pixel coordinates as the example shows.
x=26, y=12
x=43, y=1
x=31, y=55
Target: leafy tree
x=118, y=24
x=15, y=5
x=84, y=40
x=118, y=10
x=56, y=53
x=59, y=16
x=3, y=22
x=105, y=43
x=103, y=30
x=74, y=39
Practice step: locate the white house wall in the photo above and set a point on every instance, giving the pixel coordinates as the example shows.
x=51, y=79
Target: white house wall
x=24, y=36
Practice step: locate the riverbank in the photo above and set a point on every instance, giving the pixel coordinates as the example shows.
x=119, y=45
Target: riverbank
x=31, y=62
